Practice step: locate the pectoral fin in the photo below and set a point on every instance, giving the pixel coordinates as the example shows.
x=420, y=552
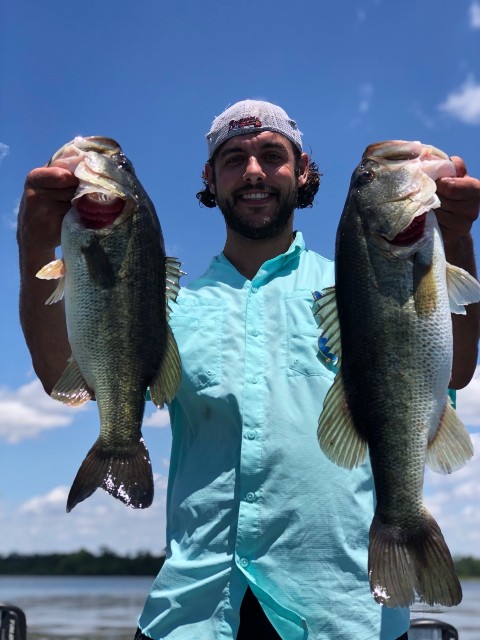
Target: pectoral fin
x=337, y=435
x=165, y=384
x=424, y=288
x=462, y=289
x=72, y=389
x=54, y=270
x=451, y=446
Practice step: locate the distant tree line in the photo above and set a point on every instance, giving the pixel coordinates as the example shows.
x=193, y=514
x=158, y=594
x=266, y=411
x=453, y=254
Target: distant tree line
x=106, y=563
x=467, y=567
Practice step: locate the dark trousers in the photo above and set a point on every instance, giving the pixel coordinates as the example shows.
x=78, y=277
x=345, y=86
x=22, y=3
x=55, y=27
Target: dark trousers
x=253, y=622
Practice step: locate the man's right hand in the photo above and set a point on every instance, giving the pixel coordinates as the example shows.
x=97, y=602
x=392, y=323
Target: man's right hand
x=46, y=199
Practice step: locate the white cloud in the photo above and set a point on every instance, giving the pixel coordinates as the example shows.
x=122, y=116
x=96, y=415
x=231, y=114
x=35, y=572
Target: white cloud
x=4, y=150
x=464, y=103
x=468, y=401
x=11, y=219
x=475, y=15
x=27, y=411
x=425, y=118
x=454, y=501
x=49, y=503
x=365, y=92
x=160, y=418
x=41, y=524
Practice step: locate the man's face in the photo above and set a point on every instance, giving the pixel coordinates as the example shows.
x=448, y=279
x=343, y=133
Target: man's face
x=255, y=184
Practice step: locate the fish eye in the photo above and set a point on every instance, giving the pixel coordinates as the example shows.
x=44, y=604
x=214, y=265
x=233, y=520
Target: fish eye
x=366, y=176
x=125, y=164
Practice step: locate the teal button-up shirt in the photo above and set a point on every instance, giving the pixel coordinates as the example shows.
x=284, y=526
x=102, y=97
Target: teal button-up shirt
x=251, y=499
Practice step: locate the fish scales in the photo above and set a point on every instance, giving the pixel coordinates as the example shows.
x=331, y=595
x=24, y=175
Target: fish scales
x=137, y=278
x=394, y=321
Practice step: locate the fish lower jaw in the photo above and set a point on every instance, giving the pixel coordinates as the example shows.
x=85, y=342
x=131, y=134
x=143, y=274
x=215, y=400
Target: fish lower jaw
x=412, y=234
x=98, y=210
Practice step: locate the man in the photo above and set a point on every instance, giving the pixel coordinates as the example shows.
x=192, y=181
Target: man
x=265, y=537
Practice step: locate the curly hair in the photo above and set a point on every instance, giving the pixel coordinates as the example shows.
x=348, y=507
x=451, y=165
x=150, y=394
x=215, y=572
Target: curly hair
x=305, y=194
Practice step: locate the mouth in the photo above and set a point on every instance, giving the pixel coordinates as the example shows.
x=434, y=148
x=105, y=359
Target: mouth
x=98, y=210
x=412, y=233
x=255, y=196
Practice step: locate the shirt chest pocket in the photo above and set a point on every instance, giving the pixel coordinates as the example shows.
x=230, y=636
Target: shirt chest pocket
x=198, y=331
x=302, y=352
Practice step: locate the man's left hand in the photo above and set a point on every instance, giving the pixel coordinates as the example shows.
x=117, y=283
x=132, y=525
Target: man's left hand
x=460, y=203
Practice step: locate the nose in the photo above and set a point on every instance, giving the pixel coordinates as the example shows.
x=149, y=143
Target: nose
x=253, y=171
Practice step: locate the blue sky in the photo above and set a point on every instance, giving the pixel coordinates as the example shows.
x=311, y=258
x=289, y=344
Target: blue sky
x=153, y=74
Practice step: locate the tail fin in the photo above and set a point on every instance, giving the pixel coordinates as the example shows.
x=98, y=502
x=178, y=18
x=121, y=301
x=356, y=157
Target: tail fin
x=402, y=562
x=127, y=476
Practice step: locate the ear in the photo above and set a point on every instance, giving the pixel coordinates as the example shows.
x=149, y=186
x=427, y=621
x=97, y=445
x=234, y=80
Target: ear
x=208, y=173
x=304, y=164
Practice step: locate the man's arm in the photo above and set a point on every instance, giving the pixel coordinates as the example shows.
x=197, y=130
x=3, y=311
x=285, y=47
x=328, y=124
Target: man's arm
x=460, y=198
x=46, y=199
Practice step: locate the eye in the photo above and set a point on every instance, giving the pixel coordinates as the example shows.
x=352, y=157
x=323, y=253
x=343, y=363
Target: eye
x=232, y=161
x=364, y=177
x=125, y=164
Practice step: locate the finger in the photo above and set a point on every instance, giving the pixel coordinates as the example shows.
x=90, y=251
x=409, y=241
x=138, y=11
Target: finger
x=464, y=188
x=456, y=207
x=56, y=178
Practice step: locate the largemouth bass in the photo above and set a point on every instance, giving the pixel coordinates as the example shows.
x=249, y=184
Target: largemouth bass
x=117, y=283
x=388, y=320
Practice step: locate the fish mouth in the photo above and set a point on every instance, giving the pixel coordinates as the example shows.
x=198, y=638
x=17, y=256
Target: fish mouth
x=98, y=210
x=412, y=233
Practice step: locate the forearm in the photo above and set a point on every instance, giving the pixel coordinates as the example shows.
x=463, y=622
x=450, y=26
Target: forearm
x=466, y=328
x=46, y=199
x=43, y=325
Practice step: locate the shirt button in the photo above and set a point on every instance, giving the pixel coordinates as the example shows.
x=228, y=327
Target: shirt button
x=244, y=562
x=253, y=380
x=251, y=434
x=254, y=332
x=254, y=289
x=250, y=497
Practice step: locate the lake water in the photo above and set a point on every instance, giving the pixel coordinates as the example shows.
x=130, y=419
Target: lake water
x=77, y=608
x=107, y=608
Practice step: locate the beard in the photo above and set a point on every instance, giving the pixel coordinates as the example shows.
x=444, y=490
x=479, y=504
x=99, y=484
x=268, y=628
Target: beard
x=264, y=228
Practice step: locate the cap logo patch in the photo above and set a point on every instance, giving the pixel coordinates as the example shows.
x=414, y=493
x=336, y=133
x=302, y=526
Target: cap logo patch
x=249, y=121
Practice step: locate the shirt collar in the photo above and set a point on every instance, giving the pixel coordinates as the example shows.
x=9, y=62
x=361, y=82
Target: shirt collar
x=271, y=267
